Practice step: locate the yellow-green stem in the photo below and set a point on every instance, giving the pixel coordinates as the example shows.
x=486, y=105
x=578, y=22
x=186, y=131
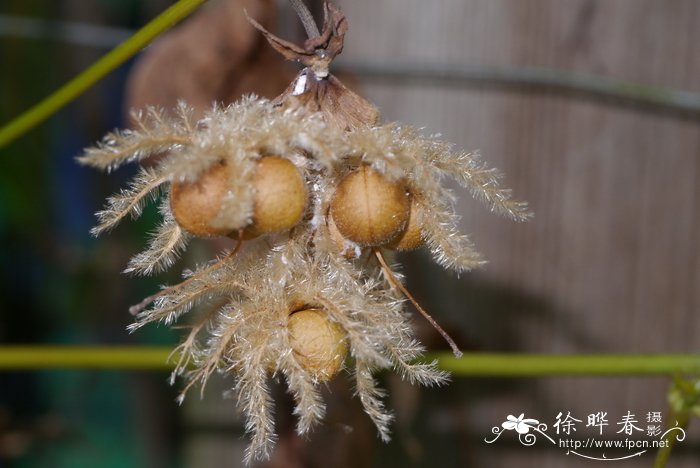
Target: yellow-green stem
x=529, y=365
x=85, y=357
x=663, y=455
x=470, y=365
x=684, y=400
x=78, y=85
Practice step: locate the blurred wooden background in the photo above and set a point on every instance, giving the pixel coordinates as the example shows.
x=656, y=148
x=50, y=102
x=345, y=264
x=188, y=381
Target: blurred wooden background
x=609, y=264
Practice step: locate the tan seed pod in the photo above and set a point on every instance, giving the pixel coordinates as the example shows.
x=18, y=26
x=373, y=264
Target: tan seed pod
x=318, y=344
x=368, y=208
x=196, y=204
x=280, y=196
x=339, y=242
x=412, y=236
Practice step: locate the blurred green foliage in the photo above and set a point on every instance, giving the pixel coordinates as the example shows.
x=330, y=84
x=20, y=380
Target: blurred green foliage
x=52, y=283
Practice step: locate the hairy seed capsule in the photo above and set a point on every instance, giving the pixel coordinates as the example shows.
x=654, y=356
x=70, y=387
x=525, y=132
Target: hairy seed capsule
x=412, y=236
x=341, y=244
x=318, y=344
x=368, y=208
x=280, y=196
x=196, y=204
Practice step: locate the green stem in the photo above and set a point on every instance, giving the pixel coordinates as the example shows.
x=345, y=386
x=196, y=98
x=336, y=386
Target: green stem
x=664, y=453
x=529, y=365
x=471, y=365
x=85, y=357
x=78, y=85
x=684, y=400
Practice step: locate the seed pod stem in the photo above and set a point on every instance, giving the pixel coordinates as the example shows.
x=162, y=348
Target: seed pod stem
x=141, y=306
x=306, y=19
x=397, y=284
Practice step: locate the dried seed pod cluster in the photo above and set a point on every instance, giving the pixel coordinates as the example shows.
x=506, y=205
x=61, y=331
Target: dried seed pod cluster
x=316, y=188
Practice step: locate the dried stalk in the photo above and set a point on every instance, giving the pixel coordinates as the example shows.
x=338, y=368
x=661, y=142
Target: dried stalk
x=306, y=18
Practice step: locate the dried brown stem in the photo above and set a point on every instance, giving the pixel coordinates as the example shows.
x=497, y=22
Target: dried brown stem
x=138, y=308
x=306, y=19
x=320, y=49
x=397, y=284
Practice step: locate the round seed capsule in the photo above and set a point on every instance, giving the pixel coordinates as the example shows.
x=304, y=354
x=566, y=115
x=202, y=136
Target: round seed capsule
x=196, y=204
x=339, y=242
x=369, y=209
x=280, y=196
x=318, y=344
x=412, y=236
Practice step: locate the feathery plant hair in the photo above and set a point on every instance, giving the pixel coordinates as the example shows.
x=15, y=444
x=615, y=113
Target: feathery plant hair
x=245, y=297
